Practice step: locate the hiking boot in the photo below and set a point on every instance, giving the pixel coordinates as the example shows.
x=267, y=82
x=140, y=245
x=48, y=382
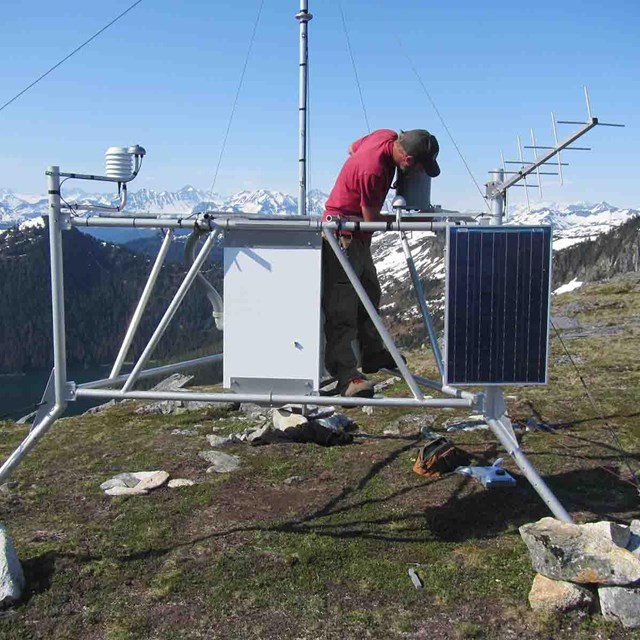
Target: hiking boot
x=379, y=360
x=356, y=388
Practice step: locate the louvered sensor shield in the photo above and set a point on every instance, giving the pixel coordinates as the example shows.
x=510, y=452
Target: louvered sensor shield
x=497, y=304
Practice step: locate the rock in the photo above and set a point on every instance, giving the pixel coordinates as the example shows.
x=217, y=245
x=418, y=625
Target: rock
x=564, y=322
x=143, y=481
x=121, y=480
x=8, y=487
x=263, y=435
x=184, y=432
x=157, y=479
x=255, y=412
x=219, y=441
x=284, y=419
x=171, y=407
x=566, y=551
x=558, y=596
x=173, y=383
x=368, y=410
x=619, y=534
x=100, y=407
x=220, y=462
x=180, y=482
x=12, y=580
x=294, y=480
x=409, y=425
x=391, y=431
x=621, y=604
x=634, y=538
x=472, y=423
x=126, y=491
x=379, y=386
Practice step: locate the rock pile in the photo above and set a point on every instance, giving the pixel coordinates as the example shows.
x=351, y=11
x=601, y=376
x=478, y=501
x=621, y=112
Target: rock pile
x=580, y=564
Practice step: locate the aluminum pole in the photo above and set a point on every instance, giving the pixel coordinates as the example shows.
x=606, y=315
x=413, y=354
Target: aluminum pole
x=142, y=305
x=57, y=285
x=30, y=441
x=156, y=371
x=529, y=470
x=271, y=399
x=303, y=18
x=375, y=317
x=497, y=199
x=171, y=310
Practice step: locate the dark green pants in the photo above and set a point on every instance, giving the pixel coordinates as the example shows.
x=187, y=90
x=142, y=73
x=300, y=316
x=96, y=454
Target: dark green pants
x=345, y=319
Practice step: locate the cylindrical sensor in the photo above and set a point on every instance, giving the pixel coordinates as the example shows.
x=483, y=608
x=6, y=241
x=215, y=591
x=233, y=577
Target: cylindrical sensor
x=415, y=188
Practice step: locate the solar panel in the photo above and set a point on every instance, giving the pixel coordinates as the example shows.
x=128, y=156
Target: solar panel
x=497, y=305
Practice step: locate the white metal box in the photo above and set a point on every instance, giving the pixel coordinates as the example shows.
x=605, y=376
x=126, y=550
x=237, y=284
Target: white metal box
x=272, y=311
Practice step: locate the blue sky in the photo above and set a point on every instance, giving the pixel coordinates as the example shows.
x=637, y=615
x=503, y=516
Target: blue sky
x=165, y=76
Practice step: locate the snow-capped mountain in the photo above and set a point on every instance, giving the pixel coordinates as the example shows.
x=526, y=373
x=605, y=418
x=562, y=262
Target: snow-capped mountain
x=15, y=207
x=572, y=223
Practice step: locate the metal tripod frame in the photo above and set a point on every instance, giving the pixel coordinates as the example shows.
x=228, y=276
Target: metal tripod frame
x=60, y=391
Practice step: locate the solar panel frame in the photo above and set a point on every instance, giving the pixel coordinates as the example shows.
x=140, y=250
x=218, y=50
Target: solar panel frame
x=512, y=348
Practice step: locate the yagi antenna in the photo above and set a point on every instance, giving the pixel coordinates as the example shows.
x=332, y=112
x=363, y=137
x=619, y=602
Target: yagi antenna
x=497, y=189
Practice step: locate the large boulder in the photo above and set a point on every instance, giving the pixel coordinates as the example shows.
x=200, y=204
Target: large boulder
x=564, y=551
x=621, y=604
x=12, y=580
x=558, y=596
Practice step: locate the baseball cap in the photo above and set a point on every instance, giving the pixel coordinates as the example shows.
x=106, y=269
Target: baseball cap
x=424, y=147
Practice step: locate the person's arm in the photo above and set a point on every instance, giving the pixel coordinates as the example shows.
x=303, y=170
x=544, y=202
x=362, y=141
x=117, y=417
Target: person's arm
x=372, y=214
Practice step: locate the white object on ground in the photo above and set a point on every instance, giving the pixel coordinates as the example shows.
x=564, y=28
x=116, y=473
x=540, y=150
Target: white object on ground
x=180, y=482
x=492, y=476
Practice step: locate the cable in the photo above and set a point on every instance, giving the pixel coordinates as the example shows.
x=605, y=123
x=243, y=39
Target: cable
x=444, y=124
x=235, y=101
x=353, y=64
x=598, y=409
x=84, y=44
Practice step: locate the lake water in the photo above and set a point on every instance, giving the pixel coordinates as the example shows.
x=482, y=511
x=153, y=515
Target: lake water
x=21, y=391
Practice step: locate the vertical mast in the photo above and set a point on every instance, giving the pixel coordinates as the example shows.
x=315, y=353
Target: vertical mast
x=303, y=18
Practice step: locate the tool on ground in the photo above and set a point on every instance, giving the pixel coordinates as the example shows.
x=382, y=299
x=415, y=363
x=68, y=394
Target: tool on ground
x=489, y=477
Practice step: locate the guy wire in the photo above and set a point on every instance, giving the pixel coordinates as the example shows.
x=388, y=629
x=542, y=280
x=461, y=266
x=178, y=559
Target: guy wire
x=55, y=66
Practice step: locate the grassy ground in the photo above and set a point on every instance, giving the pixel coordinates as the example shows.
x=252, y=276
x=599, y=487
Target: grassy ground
x=246, y=555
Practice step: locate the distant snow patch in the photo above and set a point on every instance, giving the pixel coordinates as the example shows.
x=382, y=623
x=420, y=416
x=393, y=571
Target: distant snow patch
x=570, y=286
x=32, y=223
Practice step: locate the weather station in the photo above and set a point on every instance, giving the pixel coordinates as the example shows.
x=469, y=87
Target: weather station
x=497, y=296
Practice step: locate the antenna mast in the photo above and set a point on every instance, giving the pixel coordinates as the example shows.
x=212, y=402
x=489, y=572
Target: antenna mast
x=303, y=17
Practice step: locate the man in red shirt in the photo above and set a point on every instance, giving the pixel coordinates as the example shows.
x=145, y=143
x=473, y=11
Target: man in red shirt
x=359, y=193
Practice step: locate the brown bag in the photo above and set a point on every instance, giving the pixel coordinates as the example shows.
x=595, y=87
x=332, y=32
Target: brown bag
x=438, y=457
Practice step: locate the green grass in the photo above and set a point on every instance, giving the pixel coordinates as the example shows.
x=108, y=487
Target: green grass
x=246, y=556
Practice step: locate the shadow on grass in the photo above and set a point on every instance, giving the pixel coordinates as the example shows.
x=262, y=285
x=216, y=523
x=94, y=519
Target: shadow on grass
x=479, y=514
x=38, y=573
